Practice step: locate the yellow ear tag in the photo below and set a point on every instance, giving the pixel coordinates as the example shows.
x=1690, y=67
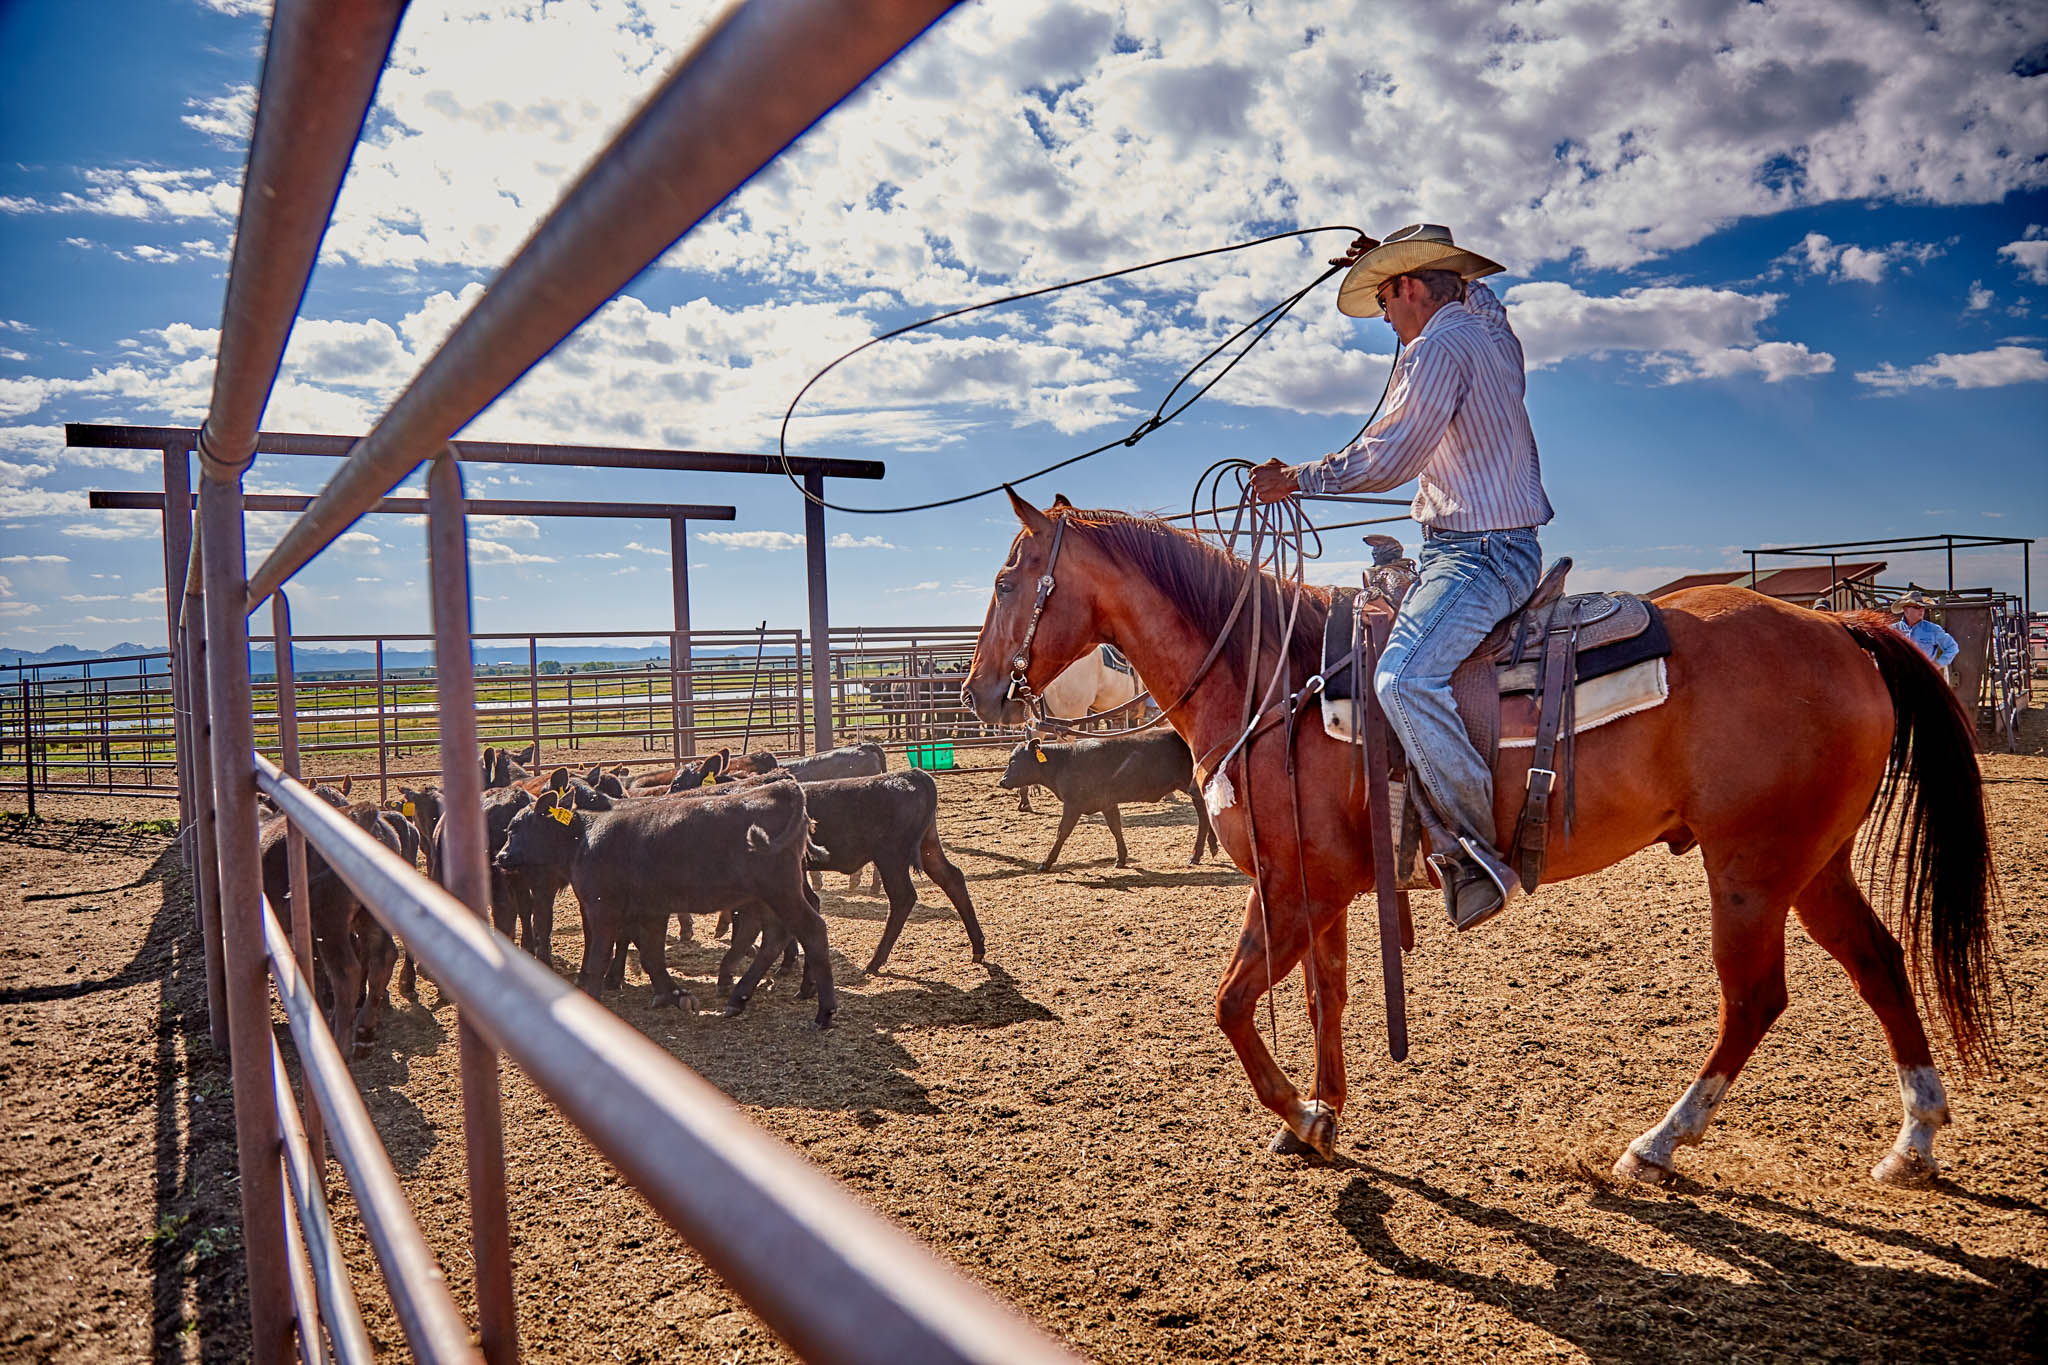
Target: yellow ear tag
x=1039, y=754
x=563, y=815
x=407, y=810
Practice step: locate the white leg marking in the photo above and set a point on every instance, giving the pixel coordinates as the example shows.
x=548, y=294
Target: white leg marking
x=1684, y=1125
x=1911, y=1159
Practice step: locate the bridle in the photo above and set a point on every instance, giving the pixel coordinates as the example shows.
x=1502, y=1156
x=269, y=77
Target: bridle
x=1019, y=688
x=1020, y=663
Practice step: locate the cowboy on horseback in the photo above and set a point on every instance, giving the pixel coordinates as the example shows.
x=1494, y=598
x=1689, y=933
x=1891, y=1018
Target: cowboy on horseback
x=1455, y=422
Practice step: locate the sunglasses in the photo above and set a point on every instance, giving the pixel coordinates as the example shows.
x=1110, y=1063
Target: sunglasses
x=1385, y=291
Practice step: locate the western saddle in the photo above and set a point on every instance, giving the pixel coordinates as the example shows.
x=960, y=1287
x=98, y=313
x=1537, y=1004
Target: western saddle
x=1542, y=648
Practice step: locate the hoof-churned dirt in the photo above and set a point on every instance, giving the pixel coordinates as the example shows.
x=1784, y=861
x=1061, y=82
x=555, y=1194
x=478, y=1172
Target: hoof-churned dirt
x=1066, y=1124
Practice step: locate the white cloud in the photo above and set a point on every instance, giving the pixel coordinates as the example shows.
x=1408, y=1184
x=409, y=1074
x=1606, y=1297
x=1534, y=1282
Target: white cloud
x=1682, y=333
x=140, y=193
x=604, y=554
x=359, y=542
x=148, y=595
x=843, y=541
x=506, y=528
x=35, y=559
x=116, y=525
x=38, y=502
x=647, y=549
x=2029, y=253
x=226, y=118
x=1980, y=298
x=752, y=540
x=1820, y=255
x=1990, y=369
x=18, y=609
x=238, y=8
x=497, y=552
x=92, y=597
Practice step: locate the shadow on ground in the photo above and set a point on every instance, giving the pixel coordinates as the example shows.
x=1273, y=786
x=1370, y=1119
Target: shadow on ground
x=1788, y=1298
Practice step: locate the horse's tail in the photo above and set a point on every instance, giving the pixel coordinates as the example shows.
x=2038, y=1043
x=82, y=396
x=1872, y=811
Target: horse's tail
x=1941, y=843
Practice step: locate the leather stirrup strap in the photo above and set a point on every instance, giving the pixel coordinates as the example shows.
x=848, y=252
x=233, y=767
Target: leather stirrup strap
x=1532, y=832
x=1365, y=655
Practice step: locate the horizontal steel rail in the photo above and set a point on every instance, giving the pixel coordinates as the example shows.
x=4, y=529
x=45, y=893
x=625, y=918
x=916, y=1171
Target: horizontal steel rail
x=730, y=106
x=419, y=1291
x=320, y=72
x=831, y=1277
x=338, y=1307
x=126, y=500
x=103, y=436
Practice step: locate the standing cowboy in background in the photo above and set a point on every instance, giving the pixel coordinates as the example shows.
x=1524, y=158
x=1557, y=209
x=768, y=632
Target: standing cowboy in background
x=1455, y=421
x=1936, y=643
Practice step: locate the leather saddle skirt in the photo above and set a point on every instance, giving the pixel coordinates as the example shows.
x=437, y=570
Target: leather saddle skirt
x=1495, y=687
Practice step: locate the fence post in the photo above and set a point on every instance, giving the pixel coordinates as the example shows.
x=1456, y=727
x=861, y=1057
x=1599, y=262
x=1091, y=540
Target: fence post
x=467, y=877
x=295, y=842
x=258, y=1143
x=383, y=785
x=682, y=689
x=28, y=747
x=532, y=676
x=821, y=611
x=202, y=841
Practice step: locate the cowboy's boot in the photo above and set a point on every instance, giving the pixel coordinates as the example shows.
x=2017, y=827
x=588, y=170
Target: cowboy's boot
x=1477, y=884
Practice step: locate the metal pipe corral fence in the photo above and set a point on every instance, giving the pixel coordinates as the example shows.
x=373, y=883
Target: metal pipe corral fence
x=833, y=1279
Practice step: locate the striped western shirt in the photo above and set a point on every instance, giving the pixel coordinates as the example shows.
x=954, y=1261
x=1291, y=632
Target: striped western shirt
x=1456, y=422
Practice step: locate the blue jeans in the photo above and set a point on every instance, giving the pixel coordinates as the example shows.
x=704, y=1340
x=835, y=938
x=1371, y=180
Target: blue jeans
x=1470, y=580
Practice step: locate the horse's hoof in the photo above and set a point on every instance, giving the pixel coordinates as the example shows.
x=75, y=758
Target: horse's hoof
x=1285, y=1143
x=1906, y=1169
x=822, y=1022
x=678, y=999
x=873, y=968
x=733, y=1011
x=977, y=957
x=1642, y=1170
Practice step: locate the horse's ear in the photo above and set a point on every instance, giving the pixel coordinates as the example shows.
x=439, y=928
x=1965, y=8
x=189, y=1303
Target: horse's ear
x=1035, y=521
x=1060, y=500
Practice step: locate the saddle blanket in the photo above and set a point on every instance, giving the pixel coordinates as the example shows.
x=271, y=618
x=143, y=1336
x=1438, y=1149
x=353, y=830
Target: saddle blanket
x=1600, y=700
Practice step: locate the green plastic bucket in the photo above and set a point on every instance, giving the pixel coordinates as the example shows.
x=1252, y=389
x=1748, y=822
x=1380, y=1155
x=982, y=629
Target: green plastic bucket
x=932, y=757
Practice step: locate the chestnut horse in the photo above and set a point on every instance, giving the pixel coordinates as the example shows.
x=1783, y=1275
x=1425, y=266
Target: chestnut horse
x=1778, y=741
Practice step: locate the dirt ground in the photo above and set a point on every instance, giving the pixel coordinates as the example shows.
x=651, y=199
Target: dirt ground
x=1067, y=1125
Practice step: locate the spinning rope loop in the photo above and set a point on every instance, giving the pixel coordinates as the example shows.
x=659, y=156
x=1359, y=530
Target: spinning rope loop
x=1160, y=416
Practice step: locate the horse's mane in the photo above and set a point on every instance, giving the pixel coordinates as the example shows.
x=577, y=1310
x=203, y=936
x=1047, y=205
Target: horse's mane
x=1201, y=580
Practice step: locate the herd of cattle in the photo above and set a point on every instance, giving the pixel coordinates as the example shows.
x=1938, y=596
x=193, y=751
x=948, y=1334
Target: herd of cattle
x=742, y=838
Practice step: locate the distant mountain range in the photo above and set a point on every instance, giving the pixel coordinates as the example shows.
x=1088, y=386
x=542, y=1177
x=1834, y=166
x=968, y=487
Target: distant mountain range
x=311, y=659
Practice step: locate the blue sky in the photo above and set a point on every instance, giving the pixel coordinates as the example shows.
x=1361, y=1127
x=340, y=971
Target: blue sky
x=1781, y=272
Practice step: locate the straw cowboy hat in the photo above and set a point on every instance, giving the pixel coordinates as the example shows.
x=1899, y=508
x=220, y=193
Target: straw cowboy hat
x=1914, y=598
x=1419, y=246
